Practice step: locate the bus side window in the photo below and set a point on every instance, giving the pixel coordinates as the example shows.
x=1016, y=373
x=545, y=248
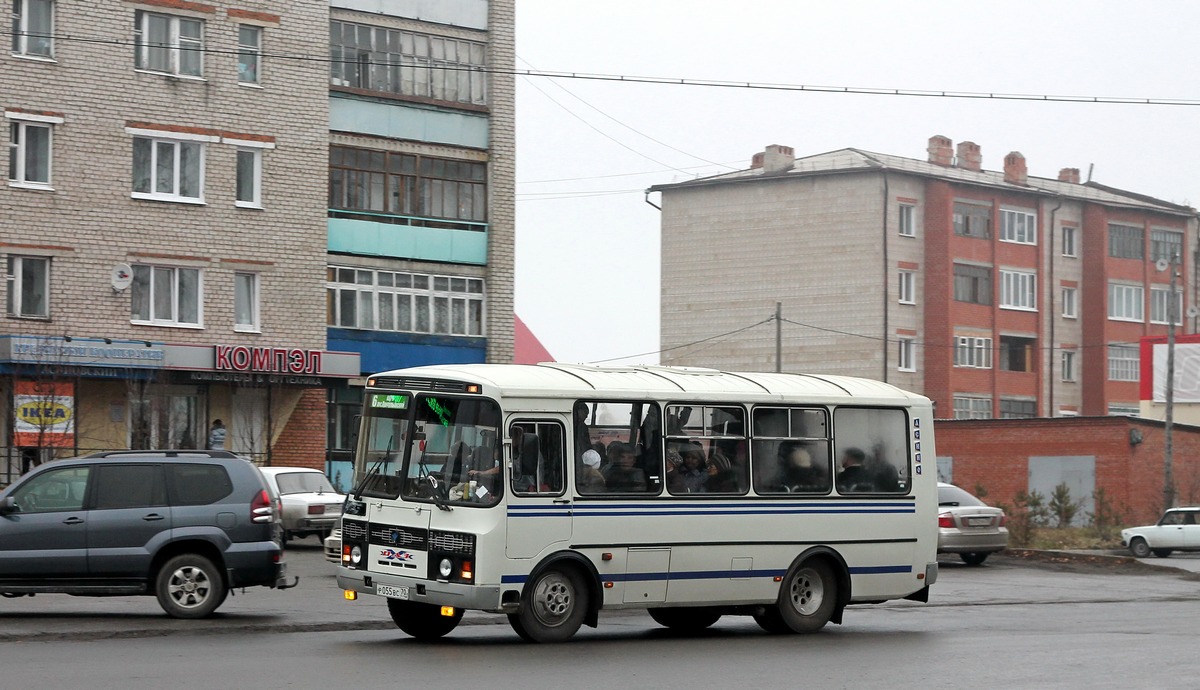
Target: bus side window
x=537, y=458
x=872, y=450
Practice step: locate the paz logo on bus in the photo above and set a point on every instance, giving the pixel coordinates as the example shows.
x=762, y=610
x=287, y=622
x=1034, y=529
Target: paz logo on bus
x=393, y=555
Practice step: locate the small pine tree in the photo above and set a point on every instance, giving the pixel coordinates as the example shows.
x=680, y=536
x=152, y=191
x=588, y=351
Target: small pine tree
x=1061, y=507
x=1105, y=517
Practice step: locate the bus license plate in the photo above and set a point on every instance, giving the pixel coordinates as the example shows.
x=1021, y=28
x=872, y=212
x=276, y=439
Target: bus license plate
x=393, y=592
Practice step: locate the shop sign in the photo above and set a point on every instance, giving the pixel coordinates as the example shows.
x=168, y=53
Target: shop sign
x=267, y=360
x=44, y=414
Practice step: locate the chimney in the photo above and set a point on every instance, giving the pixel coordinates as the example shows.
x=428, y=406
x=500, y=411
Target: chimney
x=1069, y=175
x=969, y=156
x=941, y=151
x=756, y=160
x=776, y=159
x=1015, y=171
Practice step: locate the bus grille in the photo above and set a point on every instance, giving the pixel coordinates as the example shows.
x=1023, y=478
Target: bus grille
x=421, y=384
x=352, y=530
x=405, y=537
x=452, y=542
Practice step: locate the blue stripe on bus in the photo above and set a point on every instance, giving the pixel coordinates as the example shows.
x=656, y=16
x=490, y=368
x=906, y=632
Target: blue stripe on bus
x=667, y=508
x=585, y=512
x=718, y=574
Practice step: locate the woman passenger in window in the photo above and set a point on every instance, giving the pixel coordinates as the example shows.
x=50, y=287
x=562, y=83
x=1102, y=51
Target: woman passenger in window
x=621, y=475
x=694, y=471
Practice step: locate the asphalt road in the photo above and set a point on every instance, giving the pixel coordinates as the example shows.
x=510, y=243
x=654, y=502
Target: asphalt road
x=1042, y=622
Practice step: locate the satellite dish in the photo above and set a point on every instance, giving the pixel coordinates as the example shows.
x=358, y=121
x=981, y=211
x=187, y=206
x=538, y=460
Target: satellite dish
x=1193, y=312
x=122, y=277
x=1161, y=264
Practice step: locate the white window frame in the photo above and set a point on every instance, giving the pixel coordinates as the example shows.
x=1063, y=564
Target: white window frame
x=1123, y=362
x=972, y=407
x=1126, y=302
x=173, y=318
x=972, y=353
x=250, y=52
x=1070, y=246
x=906, y=354
x=252, y=281
x=19, y=125
x=377, y=296
x=255, y=200
x=177, y=141
x=1068, y=366
x=24, y=35
x=1018, y=226
x=1070, y=303
x=1160, y=298
x=908, y=287
x=1123, y=410
x=1018, y=290
x=907, y=220
x=175, y=45
x=17, y=267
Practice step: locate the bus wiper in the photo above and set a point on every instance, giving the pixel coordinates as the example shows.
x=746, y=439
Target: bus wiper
x=362, y=483
x=433, y=486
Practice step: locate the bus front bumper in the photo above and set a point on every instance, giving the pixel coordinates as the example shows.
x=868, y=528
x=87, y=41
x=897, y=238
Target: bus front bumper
x=469, y=597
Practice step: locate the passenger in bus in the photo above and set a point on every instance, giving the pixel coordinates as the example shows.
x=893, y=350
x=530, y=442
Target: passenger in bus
x=527, y=460
x=485, y=465
x=722, y=477
x=854, y=477
x=694, y=472
x=588, y=479
x=798, y=472
x=583, y=436
x=884, y=476
x=674, y=472
x=621, y=475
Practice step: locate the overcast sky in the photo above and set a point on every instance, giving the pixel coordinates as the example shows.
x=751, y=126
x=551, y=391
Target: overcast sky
x=588, y=244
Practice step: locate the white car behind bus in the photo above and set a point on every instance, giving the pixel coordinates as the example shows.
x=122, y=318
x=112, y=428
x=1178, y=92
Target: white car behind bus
x=310, y=503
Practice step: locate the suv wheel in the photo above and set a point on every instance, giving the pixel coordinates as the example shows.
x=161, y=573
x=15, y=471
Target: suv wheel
x=189, y=586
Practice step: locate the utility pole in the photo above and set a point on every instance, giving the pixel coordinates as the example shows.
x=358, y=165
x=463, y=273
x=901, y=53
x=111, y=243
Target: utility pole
x=778, y=337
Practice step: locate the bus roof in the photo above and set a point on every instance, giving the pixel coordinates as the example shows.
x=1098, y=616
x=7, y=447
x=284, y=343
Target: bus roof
x=569, y=380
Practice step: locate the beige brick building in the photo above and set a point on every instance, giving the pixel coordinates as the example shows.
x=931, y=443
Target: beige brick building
x=163, y=224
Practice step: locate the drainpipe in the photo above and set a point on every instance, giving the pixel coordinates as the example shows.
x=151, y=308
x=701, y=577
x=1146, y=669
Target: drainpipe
x=887, y=280
x=1053, y=349
x=647, y=200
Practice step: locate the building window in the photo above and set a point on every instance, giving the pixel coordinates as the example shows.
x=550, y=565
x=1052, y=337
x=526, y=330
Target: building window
x=249, y=178
x=971, y=220
x=249, y=54
x=1018, y=226
x=1018, y=290
x=169, y=44
x=166, y=296
x=1069, y=247
x=972, y=284
x=1123, y=409
x=1126, y=302
x=1017, y=353
x=168, y=170
x=1122, y=362
x=1166, y=245
x=245, y=302
x=28, y=291
x=1070, y=303
x=405, y=184
x=1160, y=306
x=1068, y=365
x=972, y=407
x=29, y=152
x=1017, y=409
x=973, y=352
x=908, y=226
x=1126, y=242
x=405, y=302
x=407, y=63
x=907, y=355
x=33, y=28
x=908, y=289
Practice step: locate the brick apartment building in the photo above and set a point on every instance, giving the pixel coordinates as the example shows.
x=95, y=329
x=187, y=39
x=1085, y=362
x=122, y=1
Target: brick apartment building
x=163, y=228
x=995, y=293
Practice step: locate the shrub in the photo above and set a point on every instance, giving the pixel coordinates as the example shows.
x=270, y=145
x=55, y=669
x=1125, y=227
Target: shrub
x=1061, y=507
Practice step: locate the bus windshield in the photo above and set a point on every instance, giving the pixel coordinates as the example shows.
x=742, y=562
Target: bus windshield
x=429, y=447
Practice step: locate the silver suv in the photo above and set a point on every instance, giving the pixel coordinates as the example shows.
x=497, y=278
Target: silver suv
x=186, y=526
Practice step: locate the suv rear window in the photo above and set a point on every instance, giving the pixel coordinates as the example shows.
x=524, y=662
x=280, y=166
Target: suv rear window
x=129, y=486
x=192, y=484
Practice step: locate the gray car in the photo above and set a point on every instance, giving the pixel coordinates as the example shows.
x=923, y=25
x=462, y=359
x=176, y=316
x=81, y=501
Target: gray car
x=967, y=526
x=183, y=526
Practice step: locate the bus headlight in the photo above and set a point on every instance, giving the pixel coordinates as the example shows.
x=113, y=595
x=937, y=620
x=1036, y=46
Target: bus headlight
x=445, y=567
x=355, y=555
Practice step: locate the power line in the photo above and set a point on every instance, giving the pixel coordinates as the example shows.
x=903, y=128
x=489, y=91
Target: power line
x=665, y=81
x=631, y=174
x=695, y=342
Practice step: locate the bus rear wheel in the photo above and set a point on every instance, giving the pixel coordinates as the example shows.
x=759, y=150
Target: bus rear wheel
x=552, y=607
x=808, y=597
x=422, y=621
x=691, y=619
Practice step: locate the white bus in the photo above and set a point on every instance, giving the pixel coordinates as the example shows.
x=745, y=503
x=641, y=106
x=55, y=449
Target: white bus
x=551, y=492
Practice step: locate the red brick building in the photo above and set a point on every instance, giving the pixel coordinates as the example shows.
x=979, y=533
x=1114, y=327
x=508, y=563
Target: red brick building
x=1124, y=456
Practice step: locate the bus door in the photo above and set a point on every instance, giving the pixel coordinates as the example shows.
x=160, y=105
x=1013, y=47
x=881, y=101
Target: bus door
x=539, y=509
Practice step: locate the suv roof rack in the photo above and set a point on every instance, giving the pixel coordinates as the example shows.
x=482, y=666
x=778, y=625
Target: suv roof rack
x=185, y=453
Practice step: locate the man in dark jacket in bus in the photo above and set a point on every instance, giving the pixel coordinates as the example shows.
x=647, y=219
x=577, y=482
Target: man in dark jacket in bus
x=853, y=477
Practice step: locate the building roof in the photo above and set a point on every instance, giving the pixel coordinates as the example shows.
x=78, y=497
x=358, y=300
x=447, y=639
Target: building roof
x=851, y=160
x=527, y=348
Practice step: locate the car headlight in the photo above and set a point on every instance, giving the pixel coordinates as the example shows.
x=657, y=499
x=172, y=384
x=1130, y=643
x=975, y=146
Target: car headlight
x=355, y=555
x=445, y=567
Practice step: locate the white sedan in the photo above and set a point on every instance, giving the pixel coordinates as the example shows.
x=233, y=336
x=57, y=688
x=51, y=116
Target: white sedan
x=1178, y=530
x=310, y=503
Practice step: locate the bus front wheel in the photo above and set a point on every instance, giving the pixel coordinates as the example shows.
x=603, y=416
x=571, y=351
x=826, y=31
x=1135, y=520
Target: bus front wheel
x=423, y=621
x=808, y=597
x=553, y=606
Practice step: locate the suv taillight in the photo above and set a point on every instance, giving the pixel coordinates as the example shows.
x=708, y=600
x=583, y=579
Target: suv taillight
x=260, y=507
x=946, y=520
